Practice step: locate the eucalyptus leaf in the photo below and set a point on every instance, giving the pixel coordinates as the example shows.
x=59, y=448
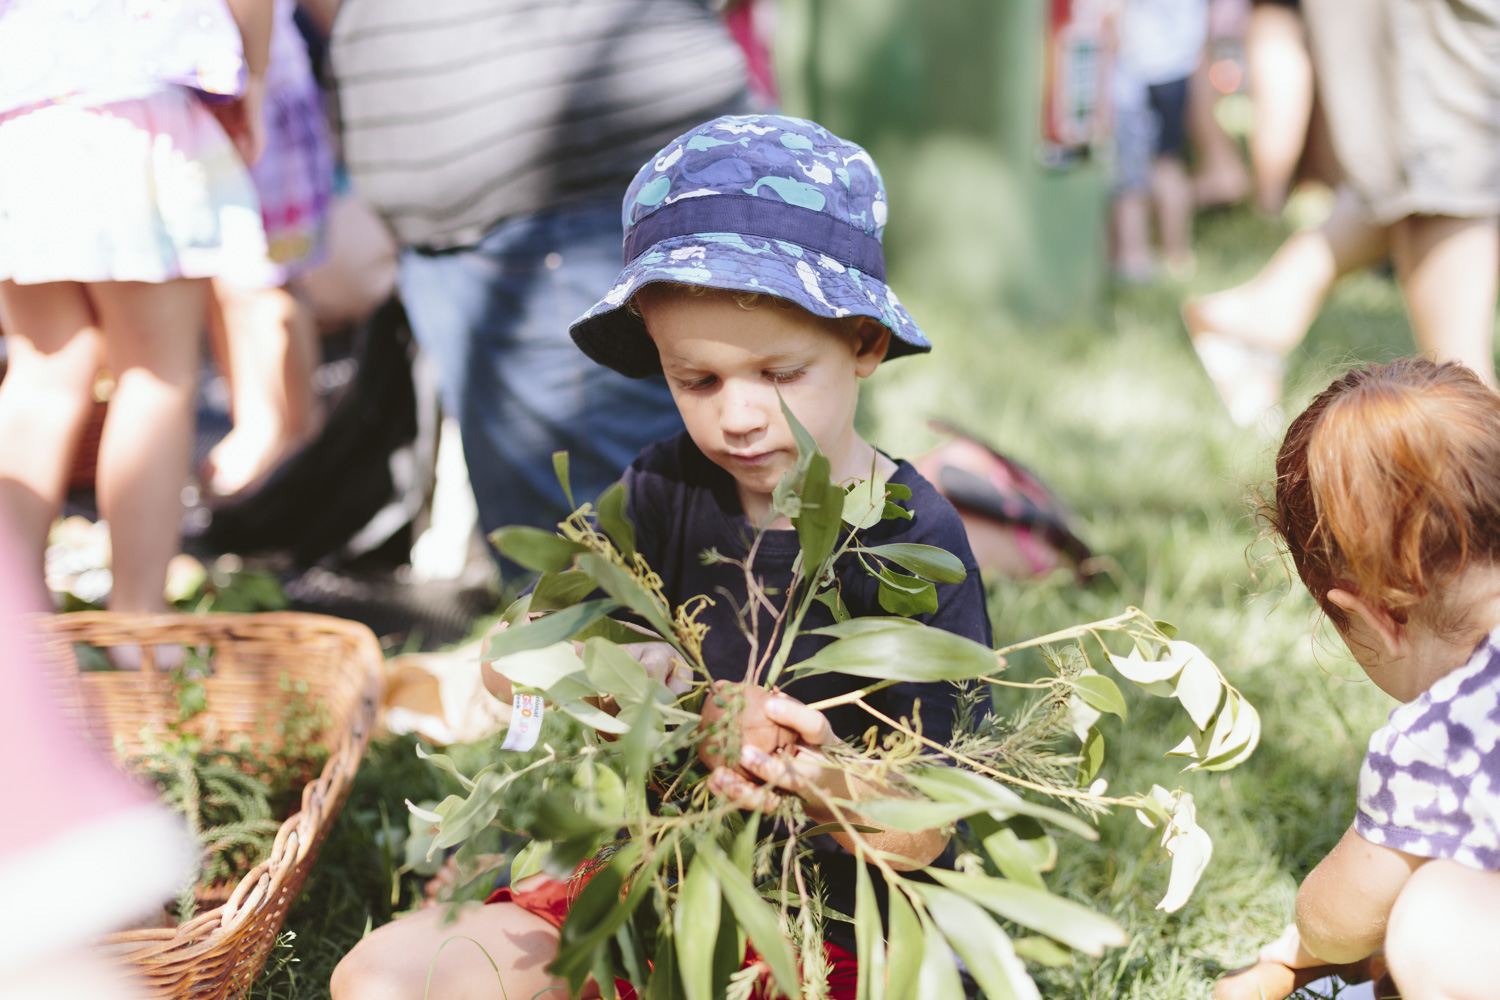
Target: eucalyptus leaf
x=952, y=784
x=926, y=561
x=546, y=630
x=755, y=915
x=612, y=670
x=543, y=551
x=445, y=763
x=612, y=519
x=1042, y=951
x=981, y=943
x=622, y=587
x=528, y=861
x=1063, y=920
x=834, y=603
x=555, y=591
x=1199, y=690
x=906, y=595
x=555, y=670
x=903, y=957
x=821, y=515
x=1091, y=758
x=903, y=654
x=937, y=979
x=1101, y=694
x=870, y=984
x=695, y=925
x=593, y=717
x=863, y=624
x=1238, y=744
x=476, y=812
x=560, y=469
x=1014, y=858
x=806, y=446
x=864, y=503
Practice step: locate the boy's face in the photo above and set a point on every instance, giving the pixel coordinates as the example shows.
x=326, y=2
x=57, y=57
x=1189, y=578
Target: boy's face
x=725, y=363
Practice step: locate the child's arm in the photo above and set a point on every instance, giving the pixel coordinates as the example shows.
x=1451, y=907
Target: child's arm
x=1342, y=907
x=811, y=777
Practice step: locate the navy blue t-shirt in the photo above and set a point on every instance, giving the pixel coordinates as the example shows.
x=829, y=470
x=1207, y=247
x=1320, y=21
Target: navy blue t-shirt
x=682, y=504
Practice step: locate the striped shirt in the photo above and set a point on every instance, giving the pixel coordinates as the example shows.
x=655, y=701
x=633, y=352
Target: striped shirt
x=460, y=114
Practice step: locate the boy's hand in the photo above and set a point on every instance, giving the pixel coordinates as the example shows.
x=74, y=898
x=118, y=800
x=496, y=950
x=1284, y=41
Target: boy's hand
x=807, y=774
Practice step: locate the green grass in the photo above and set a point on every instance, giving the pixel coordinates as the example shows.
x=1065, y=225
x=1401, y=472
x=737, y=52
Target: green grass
x=1119, y=419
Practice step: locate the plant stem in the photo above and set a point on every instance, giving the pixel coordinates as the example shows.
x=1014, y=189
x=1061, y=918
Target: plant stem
x=848, y=699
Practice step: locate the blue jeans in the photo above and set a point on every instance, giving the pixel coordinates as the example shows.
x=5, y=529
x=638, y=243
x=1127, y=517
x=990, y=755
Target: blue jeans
x=494, y=319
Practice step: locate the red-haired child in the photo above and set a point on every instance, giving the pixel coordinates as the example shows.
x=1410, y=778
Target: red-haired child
x=1387, y=497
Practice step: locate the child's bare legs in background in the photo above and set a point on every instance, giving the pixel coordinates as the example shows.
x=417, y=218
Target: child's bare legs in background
x=1221, y=177
x=54, y=346
x=148, y=335
x=266, y=343
x=1131, y=236
x=1174, y=200
x=1440, y=941
x=1281, y=82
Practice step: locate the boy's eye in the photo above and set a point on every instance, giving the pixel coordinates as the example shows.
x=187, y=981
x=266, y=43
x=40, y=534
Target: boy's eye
x=790, y=376
x=702, y=382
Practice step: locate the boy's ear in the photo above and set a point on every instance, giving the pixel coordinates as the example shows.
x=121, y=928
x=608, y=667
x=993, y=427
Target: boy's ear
x=874, y=342
x=1376, y=619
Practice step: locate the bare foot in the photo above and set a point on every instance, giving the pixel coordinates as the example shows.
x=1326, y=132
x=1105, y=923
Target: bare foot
x=246, y=456
x=1246, y=374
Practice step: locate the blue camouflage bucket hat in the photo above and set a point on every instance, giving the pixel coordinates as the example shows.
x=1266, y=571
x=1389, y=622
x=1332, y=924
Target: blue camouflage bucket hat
x=753, y=203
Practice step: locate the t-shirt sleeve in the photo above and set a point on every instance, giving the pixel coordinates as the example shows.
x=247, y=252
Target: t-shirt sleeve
x=1411, y=800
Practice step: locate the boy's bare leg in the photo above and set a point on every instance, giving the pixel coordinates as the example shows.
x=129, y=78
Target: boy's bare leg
x=1440, y=941
x=1172, y=193
x=1221, y=178
x=1449, y=269
x=1281, y=81
x=54, y=348
x=1132, y=236
x=151, y=336
x=1273, y=310
x=394, y=961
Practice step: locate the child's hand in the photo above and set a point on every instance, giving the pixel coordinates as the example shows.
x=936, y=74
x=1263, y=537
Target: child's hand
x=807, y=774
x=243, y=119
x=662, y=664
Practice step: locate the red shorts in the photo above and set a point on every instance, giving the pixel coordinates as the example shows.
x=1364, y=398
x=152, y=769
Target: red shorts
x=550, y=899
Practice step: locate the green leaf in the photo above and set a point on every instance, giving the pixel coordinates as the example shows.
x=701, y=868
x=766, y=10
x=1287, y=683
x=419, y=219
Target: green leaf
x=903, y=960
x=476, y=812
x=1091, y=758
x=926, y=561
x=1199, y=689
x=445, y=763
x=1101, y=694
x=543, y=551
x=743, y=852
x=864, y=503
x=1042, y=951
x=614, y=671
x=821, y=515
x=546, y=630
x=616, y=632
x=622, y=587
x=1166, y=628
x=903, y=654
x=554, y=670
x=560, y=469
x=869, y=945
x=953, y=784
x=695, y=925
x=594, y=717
x=906, y=595
x=914, y=815
x=1016, y=860
x=806, y=446
x=1063, y=920
x=863, y=624
x=981, y=943
x=756, y=916
x=835, y=603
x=528, y=861
x=555, y=591
x=894, y=510
x=612, y=519
x=1238, y=743
x=938, y=977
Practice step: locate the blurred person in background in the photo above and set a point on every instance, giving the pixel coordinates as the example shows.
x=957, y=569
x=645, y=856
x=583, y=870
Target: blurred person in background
x=1411, y=92
x=1219, y=173
x=264, y=334
x=1281, y=86
x=1160, y=46
x=497, y=142
x=121, y=190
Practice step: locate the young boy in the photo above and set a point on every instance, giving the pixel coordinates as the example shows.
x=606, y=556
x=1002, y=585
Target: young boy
x=753, y=274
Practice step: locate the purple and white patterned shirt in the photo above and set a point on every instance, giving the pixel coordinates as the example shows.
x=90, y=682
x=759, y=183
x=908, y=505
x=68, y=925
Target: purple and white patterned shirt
x=1430, y=783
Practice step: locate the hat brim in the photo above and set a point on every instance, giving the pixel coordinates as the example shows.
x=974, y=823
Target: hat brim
x=612, y=335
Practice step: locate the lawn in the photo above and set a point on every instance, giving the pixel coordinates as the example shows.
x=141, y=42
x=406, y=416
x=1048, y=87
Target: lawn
x=1117, y=416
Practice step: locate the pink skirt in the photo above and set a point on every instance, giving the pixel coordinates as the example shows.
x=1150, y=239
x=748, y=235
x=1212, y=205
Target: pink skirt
x=149, y=189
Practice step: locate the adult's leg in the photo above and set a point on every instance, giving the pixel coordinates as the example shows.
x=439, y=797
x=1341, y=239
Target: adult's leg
x=54, y=347
x=1449, y=270
x=1273, y=310
x=269, y=342
x=395, y=962
x=1219, y=177
x=495, y=320
x=151, y=336
x=1440, y=941
x=1281, y=83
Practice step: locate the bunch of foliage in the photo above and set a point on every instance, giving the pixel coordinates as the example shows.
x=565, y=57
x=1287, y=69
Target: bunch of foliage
x=681, y=881
x=233, y=795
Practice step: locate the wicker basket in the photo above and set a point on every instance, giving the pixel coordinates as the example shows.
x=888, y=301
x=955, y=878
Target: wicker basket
x=219, y=952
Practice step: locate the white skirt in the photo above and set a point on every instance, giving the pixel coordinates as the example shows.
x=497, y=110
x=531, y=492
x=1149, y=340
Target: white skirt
x=138, y=190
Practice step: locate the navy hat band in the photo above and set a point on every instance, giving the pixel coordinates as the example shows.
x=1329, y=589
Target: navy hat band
x=750, y=215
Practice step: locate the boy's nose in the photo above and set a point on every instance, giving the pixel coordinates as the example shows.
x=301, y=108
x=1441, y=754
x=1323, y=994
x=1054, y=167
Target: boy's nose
x=744, y=410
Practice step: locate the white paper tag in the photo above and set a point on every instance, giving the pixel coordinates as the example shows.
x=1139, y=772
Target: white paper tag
x=525, y=722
